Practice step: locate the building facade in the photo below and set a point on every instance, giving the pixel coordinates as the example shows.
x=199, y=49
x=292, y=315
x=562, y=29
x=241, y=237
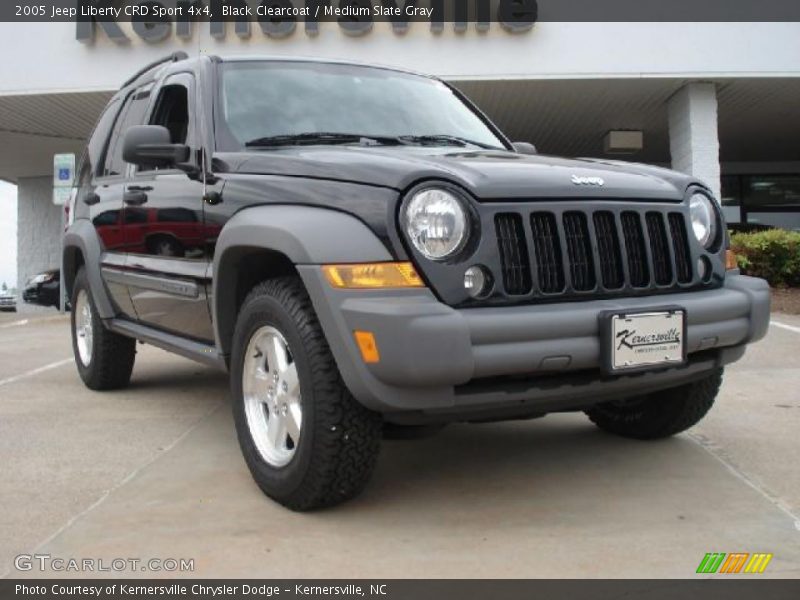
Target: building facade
x=717, y=100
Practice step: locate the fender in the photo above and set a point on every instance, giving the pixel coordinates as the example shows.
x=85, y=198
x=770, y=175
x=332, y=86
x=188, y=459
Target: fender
x=82, y=235
x=305, y=235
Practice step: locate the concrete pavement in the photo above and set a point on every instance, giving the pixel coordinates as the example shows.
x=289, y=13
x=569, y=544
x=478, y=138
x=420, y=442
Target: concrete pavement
x=154, y=471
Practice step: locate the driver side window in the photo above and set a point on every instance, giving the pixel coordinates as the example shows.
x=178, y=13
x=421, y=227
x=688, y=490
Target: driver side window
x=172, y=112
x=171, y=109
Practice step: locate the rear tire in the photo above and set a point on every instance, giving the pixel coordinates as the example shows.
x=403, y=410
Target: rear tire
x=104, y=358
x=661, y=414
x=323, y=444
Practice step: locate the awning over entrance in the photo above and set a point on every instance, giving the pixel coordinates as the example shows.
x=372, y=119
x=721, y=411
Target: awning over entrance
x=759, y=119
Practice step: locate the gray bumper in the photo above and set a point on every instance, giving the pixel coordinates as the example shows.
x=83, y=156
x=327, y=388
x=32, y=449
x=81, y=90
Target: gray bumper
x=441, y=361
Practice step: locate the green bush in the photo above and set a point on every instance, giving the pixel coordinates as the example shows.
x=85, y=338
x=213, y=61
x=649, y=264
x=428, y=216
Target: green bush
x=773, y=254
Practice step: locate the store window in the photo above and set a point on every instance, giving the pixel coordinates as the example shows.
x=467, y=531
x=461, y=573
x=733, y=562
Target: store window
x=731, y=198
x=764, y=191
x=761, y=201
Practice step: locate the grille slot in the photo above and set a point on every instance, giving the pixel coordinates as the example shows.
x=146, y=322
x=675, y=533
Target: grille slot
x=610, y=255
x=659, y=248
x=513, y=253
x=637, y=253
x=680, y=245
x=547, y=249
x=579, y=251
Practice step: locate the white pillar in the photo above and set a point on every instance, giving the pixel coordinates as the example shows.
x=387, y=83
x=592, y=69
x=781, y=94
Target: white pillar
x=693, y=135
x=38, y=233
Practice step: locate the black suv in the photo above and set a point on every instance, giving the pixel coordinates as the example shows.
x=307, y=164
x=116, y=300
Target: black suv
x=366, y=254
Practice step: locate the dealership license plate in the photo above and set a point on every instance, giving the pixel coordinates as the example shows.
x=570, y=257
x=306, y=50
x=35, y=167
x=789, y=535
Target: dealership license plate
x=650, y=339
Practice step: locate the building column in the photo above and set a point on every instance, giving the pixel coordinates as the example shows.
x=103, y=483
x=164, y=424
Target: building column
x=693, y=134
x=38, y=233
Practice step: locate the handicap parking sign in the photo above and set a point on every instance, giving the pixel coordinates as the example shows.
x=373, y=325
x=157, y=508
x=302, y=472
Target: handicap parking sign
x=63, y=176
x=63, y=170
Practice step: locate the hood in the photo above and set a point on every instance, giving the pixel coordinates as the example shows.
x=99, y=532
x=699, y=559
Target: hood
x=487, y=174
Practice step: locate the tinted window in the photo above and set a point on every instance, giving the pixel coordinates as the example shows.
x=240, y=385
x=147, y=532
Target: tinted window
x=176, y=215
x=94, y=155
x=172, y=112
x=132, y=114
x=264, y=99
x=135, y=216
x=109, y=217
x=771, y=190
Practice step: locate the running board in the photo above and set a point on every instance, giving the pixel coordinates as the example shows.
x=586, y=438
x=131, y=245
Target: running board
x=198, y=351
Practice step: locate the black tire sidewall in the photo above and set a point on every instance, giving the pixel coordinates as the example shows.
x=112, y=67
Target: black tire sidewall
x=278, y=482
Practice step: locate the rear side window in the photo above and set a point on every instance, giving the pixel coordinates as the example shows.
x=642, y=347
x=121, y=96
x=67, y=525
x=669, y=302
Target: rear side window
x=133, y=113
x=135, y=216
x=109, y=217
x=176, y=215
x=92, y=162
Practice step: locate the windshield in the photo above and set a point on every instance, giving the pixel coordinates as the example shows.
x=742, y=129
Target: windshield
x=267, y=102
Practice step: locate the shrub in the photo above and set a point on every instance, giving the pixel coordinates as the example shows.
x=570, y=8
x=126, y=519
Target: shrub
x=773, y=254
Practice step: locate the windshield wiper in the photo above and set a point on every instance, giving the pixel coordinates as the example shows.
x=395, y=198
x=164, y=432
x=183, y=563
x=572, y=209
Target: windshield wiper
x=444, y=140
x=320, y=137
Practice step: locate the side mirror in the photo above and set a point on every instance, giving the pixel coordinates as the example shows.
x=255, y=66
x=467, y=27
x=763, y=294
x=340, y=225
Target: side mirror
x=524, y=147
x=150, y=146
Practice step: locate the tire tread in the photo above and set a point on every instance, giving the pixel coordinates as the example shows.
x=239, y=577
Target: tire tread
x=662, y=414
x=346, y=437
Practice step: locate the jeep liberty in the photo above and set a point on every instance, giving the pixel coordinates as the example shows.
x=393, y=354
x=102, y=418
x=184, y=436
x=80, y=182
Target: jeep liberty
x=367, y=255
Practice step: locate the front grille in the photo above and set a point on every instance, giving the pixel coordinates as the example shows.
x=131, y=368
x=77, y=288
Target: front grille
x=513, y=253
x=677, y=229
x=638, y=270
x=659, y=248
x=592, y=251
x=547, y=248
x=608, y=248
x=579, y=250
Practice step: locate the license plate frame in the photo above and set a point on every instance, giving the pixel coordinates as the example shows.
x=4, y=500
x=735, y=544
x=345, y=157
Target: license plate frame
x=619, y=351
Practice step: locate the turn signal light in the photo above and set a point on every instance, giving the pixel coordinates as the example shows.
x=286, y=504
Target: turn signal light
x=371, y=276
x=368, y=346
x=730, y=260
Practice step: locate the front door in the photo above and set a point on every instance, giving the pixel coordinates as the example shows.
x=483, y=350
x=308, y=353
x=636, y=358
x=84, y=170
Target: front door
x=163, y=216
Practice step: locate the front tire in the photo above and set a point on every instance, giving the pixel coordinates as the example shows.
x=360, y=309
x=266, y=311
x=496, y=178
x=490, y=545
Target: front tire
x=307, y=442
x=104, y=358
x=661, y=414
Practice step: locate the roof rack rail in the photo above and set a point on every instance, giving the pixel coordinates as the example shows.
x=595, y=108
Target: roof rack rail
x=174, y=57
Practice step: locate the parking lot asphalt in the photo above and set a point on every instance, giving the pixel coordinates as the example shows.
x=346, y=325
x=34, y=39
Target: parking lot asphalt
x=154, y=471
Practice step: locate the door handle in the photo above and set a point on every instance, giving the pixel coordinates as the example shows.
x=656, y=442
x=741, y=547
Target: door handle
x=90, y=199
x=134, y=197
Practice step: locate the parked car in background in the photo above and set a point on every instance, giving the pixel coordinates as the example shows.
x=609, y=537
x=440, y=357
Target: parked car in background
x=42, y=289
x=8, y=302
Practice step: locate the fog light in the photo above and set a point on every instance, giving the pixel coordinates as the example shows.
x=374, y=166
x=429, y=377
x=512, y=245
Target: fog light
x=477, y=281
x=704, y=268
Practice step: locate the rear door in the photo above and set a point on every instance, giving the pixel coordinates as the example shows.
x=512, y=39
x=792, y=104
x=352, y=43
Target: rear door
x=101, y=188
x=163, y=232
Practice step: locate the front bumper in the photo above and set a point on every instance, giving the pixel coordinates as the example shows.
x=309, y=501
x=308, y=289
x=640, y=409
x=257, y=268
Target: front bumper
x=446, y=364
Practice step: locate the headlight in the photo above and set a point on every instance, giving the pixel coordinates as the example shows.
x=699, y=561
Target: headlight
x=704, y=219
x=436, y=223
